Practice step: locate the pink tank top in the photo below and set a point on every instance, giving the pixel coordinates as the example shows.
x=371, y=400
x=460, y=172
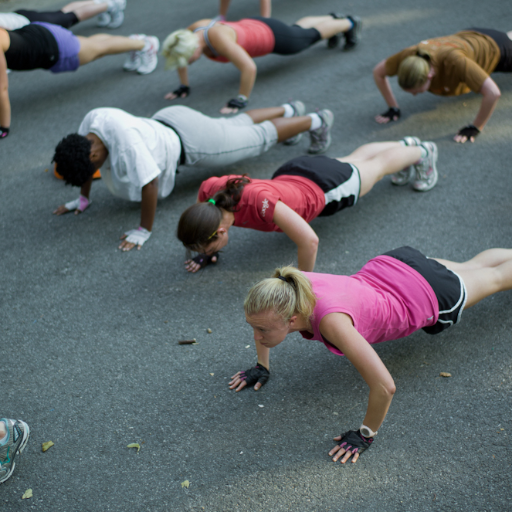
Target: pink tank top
x=254, y=36
x=386, y=299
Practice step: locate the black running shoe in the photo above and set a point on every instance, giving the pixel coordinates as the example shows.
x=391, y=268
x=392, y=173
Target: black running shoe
x=354, y=34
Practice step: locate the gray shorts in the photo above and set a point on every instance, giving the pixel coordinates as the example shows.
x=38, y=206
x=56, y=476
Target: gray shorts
x=215, y=142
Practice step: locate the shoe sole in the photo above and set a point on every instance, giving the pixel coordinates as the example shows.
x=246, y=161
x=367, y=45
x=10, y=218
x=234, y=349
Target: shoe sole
x=21, y=447
x=434, y=167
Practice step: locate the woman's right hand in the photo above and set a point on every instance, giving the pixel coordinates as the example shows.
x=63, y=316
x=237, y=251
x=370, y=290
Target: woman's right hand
x=181, y=92
x=392, y=114
x=200, y=261
x=258, y=376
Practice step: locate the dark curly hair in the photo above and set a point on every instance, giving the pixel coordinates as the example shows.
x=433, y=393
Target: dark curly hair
x=72, y=159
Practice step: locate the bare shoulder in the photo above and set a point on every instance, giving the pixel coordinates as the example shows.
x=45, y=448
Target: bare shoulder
x=336, y=322
x=5, y=40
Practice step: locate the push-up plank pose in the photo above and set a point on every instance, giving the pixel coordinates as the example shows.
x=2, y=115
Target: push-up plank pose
x=449, y=66
x=110, y=14
x=238, y=42
x=47, y=46
x=392, y=296
x=141, y=155
x=299, y=191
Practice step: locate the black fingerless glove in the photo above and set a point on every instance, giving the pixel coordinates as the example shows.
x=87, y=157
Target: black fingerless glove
x=3, y=132
x=239, y=102
x=257, y=374
x=355, y=442
x=469, y=131
x=204, y=259
x=182, y=89
x=391, y=113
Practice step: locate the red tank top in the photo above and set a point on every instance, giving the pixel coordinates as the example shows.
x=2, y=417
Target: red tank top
x=254, y=36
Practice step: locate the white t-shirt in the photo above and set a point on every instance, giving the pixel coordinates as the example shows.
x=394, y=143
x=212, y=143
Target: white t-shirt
x=12, y=21
x=140, y=149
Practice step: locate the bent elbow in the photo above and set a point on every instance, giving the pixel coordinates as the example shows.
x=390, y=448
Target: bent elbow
x=313, y=243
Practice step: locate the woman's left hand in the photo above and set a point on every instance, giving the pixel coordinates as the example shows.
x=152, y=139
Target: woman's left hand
x=350, y=444
x=228, y=110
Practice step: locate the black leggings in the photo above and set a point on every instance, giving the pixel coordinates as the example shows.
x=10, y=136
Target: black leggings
x=290, y=39
x=64, y=19
x=505, y=45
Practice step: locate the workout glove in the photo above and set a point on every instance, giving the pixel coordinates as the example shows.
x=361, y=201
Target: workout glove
x=239, y=102
x=79, y=204
x=137, y=236
x=391, y=113
x=469, y=131
x=257, y=374
x=182, y=89
x=3, y=132
x=354, y=442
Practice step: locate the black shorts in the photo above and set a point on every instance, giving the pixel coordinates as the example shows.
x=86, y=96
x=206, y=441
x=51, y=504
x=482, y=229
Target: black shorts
x=505, y=45
x=339, y=181
x=290, y=39
x=64, y=19
x=447, y=285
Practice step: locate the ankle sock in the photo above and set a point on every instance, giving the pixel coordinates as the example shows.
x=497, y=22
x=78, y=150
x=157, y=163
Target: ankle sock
x=424, y=152
x=288, y=110
x=4, y=439
x=316, y=121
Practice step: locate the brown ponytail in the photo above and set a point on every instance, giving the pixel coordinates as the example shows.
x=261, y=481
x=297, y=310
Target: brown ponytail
x=199, y=222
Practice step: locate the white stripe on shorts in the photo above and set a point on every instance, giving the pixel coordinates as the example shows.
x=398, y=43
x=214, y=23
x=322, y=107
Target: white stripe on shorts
x=348, y=188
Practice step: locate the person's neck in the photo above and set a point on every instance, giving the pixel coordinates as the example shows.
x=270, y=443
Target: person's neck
x=301, y=324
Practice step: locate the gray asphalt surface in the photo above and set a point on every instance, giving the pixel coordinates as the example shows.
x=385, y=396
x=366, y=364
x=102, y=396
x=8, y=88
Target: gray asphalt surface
x=89, y=349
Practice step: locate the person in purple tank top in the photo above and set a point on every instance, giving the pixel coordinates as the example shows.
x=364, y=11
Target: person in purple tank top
x=392, y=296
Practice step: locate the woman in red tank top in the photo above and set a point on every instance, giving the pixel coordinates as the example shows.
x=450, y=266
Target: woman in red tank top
x=238, y=42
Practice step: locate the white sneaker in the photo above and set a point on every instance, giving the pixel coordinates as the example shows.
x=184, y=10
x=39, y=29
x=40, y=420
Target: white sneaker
x=426, y=171
x=149, y=56
x=133, y=61
x=299, y=109
x=103, y=19
x=404, y=176
x=116, y=11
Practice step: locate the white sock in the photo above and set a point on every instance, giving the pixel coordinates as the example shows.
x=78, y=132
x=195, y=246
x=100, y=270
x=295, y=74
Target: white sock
x=402, y=143
x=288, y=110
x=4, y=439
x=424, y=152
x=316, y=121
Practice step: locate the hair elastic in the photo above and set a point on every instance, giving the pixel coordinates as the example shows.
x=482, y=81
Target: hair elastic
x=282, y=278
x=211, y=201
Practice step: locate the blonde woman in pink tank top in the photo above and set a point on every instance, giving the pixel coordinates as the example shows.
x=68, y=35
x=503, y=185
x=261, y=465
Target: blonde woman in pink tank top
x=392, y=296
x=239, y=42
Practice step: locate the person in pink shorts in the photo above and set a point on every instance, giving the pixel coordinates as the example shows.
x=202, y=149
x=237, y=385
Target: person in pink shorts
x=392, y=296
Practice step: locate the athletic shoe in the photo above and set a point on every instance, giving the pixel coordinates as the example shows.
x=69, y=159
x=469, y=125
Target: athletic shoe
x=103, y=19
x=116, y=11
x=149, y=56
x=321, y=137
x=133, y=61
x=404, y=176
x=17, y=437
x=426, y=171
x=334, y=41
x=299, y=109
x=353, y=35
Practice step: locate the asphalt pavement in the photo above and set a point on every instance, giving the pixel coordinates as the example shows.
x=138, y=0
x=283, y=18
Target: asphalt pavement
x=89, y=335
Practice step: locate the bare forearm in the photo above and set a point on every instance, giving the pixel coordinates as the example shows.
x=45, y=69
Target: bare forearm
x=247, y=81
x=183, y=74
x=266, y=8
x=263, y=355
x=148, y=204
x=307, y=256
x=486, y=109
x=382, y=83
x=85, y=190
x=378, y=405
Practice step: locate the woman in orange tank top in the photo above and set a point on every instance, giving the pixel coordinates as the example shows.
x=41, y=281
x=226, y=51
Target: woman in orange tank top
x=238, y=42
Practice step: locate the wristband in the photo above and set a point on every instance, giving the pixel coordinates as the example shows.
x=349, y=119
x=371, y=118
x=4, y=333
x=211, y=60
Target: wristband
x=137, y=236
x=182, y=89
x=239, y=102
x=354, y=442
x=257, y=374
x=78, y=204
x=367, y=431
x=391, y=113
x=469, y=131
x=3, y=132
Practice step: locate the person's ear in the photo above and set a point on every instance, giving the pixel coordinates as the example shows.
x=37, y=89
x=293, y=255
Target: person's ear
x=222, y=231
x=293, y=320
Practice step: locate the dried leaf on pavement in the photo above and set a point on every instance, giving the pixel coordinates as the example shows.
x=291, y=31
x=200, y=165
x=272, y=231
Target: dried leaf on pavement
x=134, y=445
x=28, y=494
x=186, y=484
x=47, y=445
x=445, y=374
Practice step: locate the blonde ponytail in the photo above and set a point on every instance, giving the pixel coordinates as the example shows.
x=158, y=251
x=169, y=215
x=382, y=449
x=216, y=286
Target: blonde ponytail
x=290, y=294
x=178, y=47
